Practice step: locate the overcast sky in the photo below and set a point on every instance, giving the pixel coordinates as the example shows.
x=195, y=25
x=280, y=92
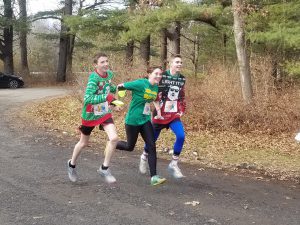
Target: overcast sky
x=34, y=6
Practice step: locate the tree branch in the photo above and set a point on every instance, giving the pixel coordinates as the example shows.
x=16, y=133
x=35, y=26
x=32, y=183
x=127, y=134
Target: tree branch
x=189, y=39
x=44, y=18
x=95, y=4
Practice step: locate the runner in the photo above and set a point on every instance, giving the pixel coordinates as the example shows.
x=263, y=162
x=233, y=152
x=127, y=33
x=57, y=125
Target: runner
x=168, y=113
x=97, y=112
x=138, y=117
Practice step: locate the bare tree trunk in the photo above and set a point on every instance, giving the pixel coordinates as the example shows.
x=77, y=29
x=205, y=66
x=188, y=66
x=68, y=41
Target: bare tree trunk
x=7, y=45
x=23, y=37
x=174, y=37
x=241, y=50
x=64, y=44
x=129, y=53
x=70, y=54
x=224, y=48
x=196, y=54
x=145, y=51
x=164, y=49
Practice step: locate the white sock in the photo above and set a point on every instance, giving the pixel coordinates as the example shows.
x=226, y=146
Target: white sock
x=175, y=159
x=144, y=156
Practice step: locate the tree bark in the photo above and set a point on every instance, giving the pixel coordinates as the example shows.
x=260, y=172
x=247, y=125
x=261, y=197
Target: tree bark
x=196, y=52
x=23, y=37
x=174, y=37
x=241, y=50
x=6, y=46
x=64, y=44
x=129, y=53
x=145, y=51
x=164, y=49
x=70, y=54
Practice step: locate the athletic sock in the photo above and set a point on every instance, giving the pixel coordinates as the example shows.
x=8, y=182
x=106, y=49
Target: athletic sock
x=174, y=159
x=104, y=167
x=145, y=156
x=72, y=166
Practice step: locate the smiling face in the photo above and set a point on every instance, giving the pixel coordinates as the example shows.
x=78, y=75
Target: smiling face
x=175, y=65
x=102, y=65
x=155, y=76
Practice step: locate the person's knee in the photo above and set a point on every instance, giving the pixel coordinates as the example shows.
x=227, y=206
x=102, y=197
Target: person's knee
x=151, y=147
x=83, y=144
x=114, y=139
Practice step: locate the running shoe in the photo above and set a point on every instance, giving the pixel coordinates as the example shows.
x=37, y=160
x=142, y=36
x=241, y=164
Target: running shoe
x=143, y=165
x=156, y=180
x=72, y=172
x=297, y=138
x=175, y=171
x=108, y=177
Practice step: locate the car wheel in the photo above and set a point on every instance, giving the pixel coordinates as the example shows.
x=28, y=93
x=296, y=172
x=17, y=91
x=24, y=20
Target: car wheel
x=13, y=84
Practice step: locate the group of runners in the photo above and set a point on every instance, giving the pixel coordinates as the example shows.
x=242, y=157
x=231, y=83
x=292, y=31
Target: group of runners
x=165, y=89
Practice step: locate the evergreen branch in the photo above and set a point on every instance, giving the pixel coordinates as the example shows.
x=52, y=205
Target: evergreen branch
x=45, y=17
x=95, y=4
x=187, y=38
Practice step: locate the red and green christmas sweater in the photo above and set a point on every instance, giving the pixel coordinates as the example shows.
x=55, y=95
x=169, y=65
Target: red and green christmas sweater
x=97, y=98
x=171, y=97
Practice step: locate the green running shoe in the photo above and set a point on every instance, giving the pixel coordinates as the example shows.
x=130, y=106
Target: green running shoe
x=156, y=180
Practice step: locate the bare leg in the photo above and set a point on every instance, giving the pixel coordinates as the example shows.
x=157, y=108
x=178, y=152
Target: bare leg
x=111, y=131
x=83, y=142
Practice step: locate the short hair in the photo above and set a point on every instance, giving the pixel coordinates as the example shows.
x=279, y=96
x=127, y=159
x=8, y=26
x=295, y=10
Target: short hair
x=173, y=56
x=98, y=55
x=150, y=69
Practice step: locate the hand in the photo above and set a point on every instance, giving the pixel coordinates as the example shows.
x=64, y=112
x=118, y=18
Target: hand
x=117, y=108
x=158, y=117
x=159, y=95
x=180, y=114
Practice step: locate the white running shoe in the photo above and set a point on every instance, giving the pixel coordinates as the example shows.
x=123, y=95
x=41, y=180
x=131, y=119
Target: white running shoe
x=72, y=172
x=297, y=138
x=108, y=177
x=175, y=171
x=143, y=165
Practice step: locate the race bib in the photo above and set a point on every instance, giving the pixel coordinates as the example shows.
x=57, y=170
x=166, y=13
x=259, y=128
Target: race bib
x=171, y=106
x=147, y=110
x=100, y=109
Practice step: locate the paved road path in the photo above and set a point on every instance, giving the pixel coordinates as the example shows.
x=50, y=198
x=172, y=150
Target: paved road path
x=34, y=188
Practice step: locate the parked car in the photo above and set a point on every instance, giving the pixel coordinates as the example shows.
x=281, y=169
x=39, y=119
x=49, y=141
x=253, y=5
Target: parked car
x=10, y=81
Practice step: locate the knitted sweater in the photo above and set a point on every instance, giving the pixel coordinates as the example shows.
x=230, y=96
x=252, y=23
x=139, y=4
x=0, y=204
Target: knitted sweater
x=97, y=98
x=171, y=97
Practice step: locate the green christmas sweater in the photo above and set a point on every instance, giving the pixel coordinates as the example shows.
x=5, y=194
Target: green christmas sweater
x=97, y=98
